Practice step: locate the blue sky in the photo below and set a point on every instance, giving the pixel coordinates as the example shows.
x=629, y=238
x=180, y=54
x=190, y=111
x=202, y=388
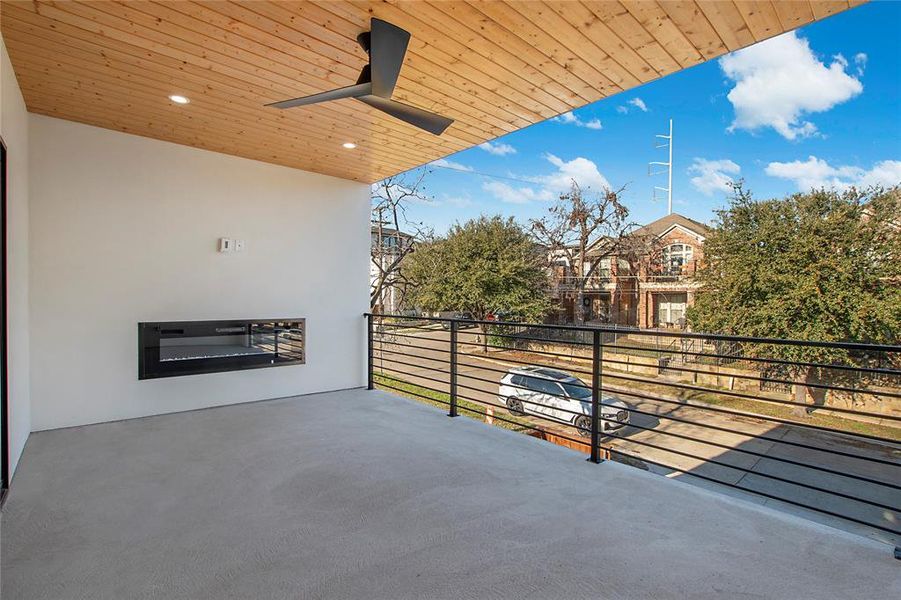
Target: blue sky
x=819, y=106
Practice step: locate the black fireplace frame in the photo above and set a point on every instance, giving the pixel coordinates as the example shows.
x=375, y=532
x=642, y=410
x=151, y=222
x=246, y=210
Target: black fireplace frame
x=150, y=334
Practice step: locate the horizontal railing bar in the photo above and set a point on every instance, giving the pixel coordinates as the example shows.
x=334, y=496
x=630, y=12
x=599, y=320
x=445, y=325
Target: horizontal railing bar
x=533, y=403
x=760, y=359
x=483, y=402
x=542, y=352
x=757, y=473
x=571, y=357
x=707, y=425
x=404, y=326
x=725, y=411
x=430, y=368
x=687, y=335
x=519, y=337
x=692, y=439
x=441, y=360
x=728, y=392
x=731, y=357
x=396, y=370
x=757, y=492
x=522, y=362
x=443, y=351
x=418, y=337
x=734, y=394
x=836, y=388
x=764, y=456
x=738, y=413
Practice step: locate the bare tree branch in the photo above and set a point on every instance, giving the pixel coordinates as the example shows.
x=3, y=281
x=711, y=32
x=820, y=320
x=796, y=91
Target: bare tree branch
x=394, y=236
x=580, y=230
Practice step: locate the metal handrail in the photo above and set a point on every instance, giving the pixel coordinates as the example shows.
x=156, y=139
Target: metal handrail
x=430, y=361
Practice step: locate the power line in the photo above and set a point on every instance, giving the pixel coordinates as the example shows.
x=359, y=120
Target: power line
x=531, y=182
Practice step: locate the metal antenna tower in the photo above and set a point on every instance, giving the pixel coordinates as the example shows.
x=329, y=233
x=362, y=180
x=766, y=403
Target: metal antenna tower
x=669, y=168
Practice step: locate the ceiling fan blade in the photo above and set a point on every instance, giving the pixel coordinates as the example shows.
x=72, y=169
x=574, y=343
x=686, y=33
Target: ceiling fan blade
x=410, y=114
x=351, y=91
x=386, y=56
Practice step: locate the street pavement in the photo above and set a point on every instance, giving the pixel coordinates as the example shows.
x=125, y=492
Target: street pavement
x=655, y=438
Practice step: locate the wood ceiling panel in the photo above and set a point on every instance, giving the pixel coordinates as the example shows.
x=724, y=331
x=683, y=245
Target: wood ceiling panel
x=493, y=66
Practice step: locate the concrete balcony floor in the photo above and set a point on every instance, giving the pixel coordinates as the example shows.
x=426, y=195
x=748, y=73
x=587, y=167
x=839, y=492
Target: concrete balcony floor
x=359, y=494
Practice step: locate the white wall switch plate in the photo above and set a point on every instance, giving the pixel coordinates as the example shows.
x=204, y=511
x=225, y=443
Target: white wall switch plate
x=239, y=245
x=225, y=245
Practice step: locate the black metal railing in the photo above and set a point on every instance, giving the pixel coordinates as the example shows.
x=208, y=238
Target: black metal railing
x=813, y=425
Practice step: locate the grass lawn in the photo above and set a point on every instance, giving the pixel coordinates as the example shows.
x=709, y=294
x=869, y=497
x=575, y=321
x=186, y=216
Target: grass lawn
x=442, y=400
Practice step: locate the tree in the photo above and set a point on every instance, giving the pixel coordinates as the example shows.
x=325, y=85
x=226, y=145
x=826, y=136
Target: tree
x=394, y=236
x=817, y=266
x=487, y=266
x=582, y=223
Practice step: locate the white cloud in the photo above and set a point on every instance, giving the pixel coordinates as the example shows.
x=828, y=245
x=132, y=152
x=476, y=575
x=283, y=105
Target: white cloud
x=780, y=80
x=582, y=170
x=635, y=103
x=815, y=173
x=548, y=187
x=515, y=195
x=498, y=149
x=712, y=176
x=449, y=164
x=639, y=104
x=860, y=60
x=569, y=118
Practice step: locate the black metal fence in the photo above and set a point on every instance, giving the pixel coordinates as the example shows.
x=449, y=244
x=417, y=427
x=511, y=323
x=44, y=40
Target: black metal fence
x=813, y=425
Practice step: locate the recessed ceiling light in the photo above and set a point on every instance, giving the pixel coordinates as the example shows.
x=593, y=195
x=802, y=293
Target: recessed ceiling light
x=178, y=99
x=349, y=145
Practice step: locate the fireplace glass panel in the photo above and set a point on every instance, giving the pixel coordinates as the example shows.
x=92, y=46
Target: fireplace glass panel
x=191, y=347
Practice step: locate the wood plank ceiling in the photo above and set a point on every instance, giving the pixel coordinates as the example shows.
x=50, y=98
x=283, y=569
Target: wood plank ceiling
x=493, y=66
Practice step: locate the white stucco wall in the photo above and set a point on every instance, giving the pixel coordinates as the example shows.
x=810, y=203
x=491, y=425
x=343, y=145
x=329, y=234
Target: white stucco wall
x=14, y=130
x=124, y=229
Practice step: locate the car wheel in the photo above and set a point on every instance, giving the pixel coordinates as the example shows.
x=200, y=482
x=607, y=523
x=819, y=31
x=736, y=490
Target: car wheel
x=583, y=424
x=515, y=407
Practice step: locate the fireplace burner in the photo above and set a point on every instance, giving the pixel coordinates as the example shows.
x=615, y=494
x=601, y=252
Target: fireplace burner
x=170, y=349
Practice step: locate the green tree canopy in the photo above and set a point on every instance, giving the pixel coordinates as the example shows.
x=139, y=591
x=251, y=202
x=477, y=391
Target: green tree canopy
x=485, y=266
x=817, y=266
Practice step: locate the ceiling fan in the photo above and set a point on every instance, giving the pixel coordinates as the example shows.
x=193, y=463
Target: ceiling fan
x=386, y=45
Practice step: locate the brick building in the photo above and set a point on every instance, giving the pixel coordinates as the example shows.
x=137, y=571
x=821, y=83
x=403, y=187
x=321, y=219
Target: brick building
x=652, y=290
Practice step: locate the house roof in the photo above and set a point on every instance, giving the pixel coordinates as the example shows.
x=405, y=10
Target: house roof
x=493, y=67
x=664, y=224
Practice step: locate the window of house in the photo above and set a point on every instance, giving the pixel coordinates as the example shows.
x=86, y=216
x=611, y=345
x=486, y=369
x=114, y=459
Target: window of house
x=675, y=256
x=671, y=308
x=603, y=268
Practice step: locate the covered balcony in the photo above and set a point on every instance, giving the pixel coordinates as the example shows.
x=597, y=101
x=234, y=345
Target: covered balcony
x=195, y=404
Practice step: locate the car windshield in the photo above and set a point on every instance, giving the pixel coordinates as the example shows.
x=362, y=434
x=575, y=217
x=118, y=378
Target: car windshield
x=576, y=389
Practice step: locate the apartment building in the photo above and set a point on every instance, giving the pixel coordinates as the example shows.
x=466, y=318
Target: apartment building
x=651, y=289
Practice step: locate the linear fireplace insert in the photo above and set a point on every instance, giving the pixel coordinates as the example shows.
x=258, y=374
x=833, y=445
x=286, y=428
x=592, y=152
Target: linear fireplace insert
x=170, y=349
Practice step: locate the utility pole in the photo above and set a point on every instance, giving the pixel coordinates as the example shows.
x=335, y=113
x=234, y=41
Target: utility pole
x=669, y=168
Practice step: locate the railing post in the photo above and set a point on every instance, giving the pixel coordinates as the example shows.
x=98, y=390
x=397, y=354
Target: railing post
x=453, y=369
x=370, y=383
x=596, y=397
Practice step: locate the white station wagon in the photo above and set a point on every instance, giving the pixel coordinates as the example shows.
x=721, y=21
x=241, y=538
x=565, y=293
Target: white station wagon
x=560, y=396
